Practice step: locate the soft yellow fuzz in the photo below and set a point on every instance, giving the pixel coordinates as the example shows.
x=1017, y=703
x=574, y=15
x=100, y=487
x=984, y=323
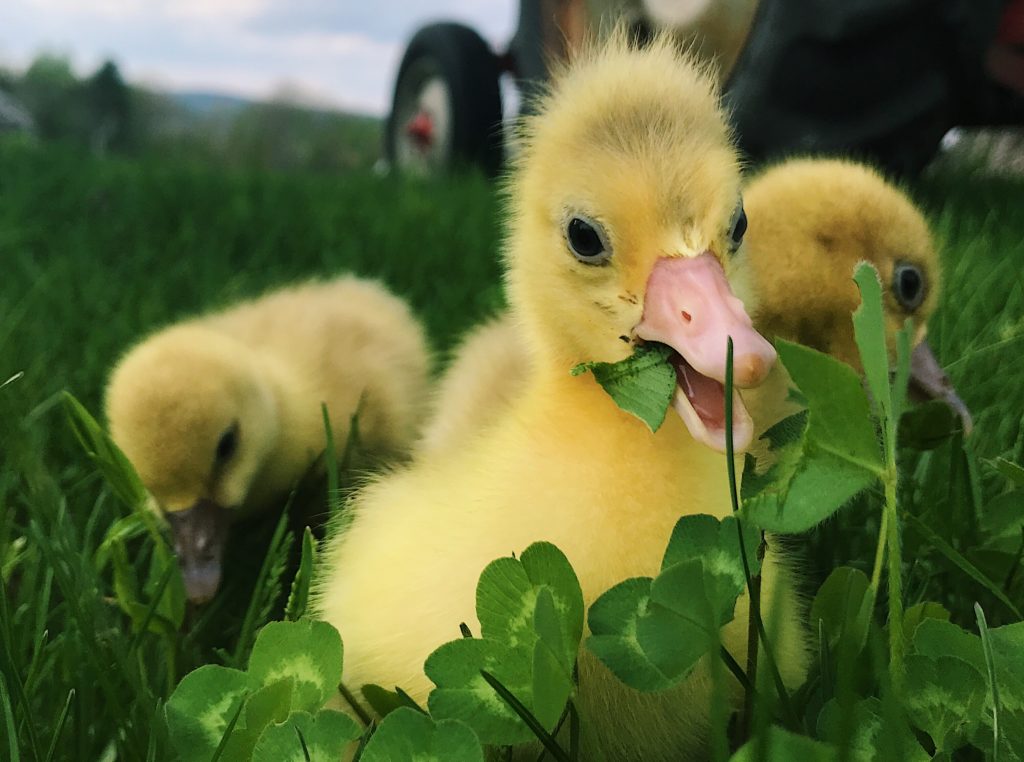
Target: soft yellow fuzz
x=267, y=365
x=811, y=222
x=487, y=372
x=635, y=141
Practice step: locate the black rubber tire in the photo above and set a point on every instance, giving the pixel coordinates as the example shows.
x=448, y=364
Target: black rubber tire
x=470, y=69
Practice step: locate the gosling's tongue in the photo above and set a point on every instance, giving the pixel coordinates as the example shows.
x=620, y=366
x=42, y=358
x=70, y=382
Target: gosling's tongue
x=928, y=378
x=689, y=306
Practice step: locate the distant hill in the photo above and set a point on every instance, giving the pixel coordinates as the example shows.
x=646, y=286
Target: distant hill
x=269, y=134
x=202, y=104
x=205, y=104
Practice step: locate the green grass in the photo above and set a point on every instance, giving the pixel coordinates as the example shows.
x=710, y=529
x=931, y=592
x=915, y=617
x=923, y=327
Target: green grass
x=96, y=253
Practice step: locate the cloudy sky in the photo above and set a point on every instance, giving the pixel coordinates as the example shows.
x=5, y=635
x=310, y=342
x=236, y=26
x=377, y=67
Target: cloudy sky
x=342, y=52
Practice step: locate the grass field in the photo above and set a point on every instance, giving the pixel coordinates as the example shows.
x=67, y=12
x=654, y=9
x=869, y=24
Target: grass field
x=95, y=253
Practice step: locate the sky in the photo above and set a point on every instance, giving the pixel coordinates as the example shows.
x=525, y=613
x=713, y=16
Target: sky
x=343, y=53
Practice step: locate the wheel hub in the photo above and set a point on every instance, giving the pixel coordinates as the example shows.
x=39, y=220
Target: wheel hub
x=420, y=130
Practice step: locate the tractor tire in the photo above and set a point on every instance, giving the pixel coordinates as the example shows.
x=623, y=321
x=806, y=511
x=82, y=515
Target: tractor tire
x=446, y=111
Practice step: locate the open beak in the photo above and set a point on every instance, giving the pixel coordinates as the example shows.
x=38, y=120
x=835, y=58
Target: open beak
x=199, y=533
x=929, y=380
x=689, y=306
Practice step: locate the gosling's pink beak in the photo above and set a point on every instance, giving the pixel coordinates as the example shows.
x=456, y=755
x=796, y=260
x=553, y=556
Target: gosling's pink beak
x=689, y=306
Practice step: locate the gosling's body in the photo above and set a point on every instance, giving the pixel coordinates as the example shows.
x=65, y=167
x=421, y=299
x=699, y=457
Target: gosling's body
x=349, y=343
x=221, y=415
x=562, y=463
x=487, y=373
x=585, y=476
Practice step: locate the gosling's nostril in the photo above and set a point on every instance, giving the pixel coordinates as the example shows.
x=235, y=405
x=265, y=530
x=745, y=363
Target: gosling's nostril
x=751, y=370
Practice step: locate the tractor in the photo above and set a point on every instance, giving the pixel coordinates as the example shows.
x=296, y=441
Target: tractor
x=880, y=79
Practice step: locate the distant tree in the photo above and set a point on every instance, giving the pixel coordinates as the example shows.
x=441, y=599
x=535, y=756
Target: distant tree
x=8, y=80
x=109, y=106
x=53, y=96
x=288, y=132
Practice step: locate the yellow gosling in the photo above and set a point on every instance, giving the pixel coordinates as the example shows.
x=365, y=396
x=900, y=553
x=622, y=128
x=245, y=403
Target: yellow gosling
x=221, y=415
x=624, y=210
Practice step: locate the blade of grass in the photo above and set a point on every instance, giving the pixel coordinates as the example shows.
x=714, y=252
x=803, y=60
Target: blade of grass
x=229, y=730
x=85, y=626
x=555, y=731
x=12, y=736
x=302, y=743
x=409, y=701
x=361, y=713
x=824, y=663
x=755, y=625
x=331, y=465
x=527, y=717
x=719, y=708
x=60, y=725
x=43, y=601
x=929, y=535
x=21, y=697
x=353, y=442
x=154, y=604
x=990, y=664
x=1015, y=566
x=753, y=583
x=247, y=633
x=298, y=597
x=363, y=740
x=151, y=749
x=737, y=671
x=36, y=666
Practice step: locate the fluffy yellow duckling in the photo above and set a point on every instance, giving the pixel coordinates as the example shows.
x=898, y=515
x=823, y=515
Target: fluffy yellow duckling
x=811, y=222
x=624, y=213
x=221, y=415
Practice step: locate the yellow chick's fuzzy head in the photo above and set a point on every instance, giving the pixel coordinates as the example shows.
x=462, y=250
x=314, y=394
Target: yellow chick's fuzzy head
x=812, y=221
x=196, y=420
x=625, y=214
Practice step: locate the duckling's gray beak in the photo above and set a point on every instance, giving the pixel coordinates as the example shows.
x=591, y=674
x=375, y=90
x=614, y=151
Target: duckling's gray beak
x=928, y=379
x=199, y=533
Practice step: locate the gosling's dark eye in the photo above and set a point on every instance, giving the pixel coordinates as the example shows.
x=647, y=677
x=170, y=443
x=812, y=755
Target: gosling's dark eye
x=908, y=285
x=587, y=241
x=738, y=227
x=227, y=445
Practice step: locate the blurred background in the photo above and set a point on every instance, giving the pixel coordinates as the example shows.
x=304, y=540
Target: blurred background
x=267, y=82
x=332, y=86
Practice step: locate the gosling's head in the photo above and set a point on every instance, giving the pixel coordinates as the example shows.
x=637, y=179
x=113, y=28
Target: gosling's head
x=191, y=413
x=812, y=221
x=626, y=217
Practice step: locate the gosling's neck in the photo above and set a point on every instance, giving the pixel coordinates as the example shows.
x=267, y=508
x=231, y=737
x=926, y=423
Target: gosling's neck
x=287, y=427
